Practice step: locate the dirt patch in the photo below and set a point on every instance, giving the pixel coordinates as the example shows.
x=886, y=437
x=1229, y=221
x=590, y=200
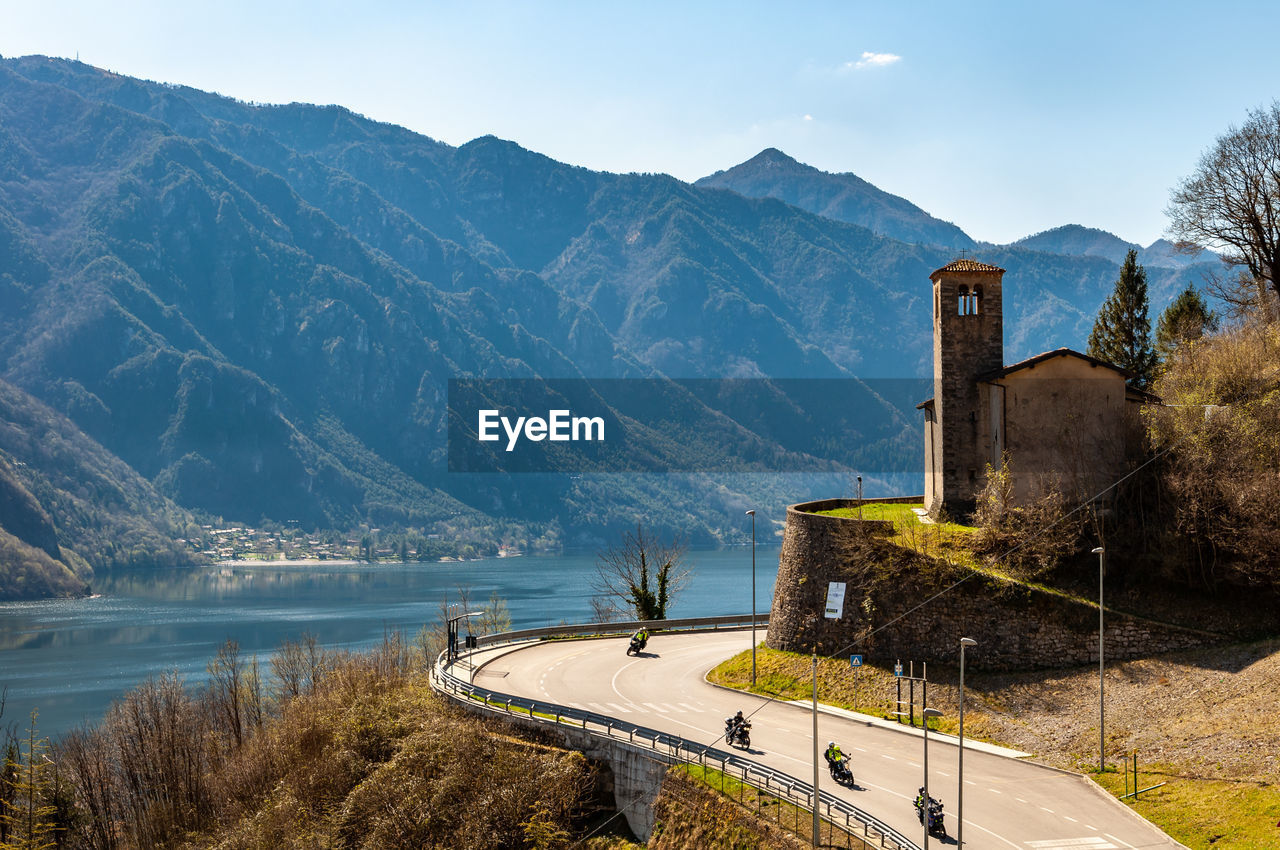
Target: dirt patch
x=1210, y=712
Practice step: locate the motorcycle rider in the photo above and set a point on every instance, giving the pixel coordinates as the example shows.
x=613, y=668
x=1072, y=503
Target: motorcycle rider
x=833, y=754
x=733, y=726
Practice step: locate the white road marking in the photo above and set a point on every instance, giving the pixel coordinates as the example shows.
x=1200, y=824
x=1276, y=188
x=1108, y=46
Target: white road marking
x=621, y=709
x=1118, y=841
x=1094, y=828
x=688, y=707
x=994, y=791
x=1020, y=800
x=654, y=707
x=1073, y=820
x=1043, y=809
x=1069, y=843
x=890, y=758
x=613, y=683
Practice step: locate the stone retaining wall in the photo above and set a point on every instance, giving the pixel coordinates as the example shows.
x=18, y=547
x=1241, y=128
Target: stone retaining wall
x=902, y=605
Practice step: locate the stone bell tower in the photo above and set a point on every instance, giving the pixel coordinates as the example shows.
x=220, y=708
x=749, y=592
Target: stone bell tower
x=968, y=341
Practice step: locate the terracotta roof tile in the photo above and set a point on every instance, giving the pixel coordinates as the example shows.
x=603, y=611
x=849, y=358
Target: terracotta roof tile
x=964, y=264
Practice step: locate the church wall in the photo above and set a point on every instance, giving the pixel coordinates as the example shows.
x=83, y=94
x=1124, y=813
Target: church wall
x=1065, y=426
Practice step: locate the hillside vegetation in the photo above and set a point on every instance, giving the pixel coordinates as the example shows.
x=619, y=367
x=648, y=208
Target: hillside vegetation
x=1222, y=477
x=328, y=749
x=259, y=309
x=69, y=507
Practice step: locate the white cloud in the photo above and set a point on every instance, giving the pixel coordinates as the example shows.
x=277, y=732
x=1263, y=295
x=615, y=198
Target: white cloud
x=808, y=118
x=873, y=60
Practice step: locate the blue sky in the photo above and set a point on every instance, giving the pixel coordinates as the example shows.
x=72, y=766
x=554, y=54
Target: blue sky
x=1006, y=118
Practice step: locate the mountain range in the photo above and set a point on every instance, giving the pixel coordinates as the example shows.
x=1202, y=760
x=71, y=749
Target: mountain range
x=257, y=309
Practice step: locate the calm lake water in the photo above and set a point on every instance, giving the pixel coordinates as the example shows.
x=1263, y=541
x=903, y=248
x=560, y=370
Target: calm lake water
x=70, y=658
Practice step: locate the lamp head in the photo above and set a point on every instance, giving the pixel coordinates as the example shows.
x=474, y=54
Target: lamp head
x=968, y=642
x=1099, y=551
x=751, y=513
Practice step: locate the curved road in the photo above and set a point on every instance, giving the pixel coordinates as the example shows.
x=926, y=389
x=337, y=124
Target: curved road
x=1008, y=803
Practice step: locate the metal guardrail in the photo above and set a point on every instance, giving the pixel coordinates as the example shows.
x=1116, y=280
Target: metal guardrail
x=653, y=742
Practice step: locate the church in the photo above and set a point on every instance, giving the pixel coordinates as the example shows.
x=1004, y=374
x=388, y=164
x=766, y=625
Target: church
x=1060, y=419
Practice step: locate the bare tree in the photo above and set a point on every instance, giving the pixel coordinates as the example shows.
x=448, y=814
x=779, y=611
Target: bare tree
x=642, y=574
x=1232, y=202
x=227, y=689
x=496, y=616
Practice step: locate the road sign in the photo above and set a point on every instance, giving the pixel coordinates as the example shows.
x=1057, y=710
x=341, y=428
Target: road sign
x=835, y=600
x=897, y=669
x=855, y=660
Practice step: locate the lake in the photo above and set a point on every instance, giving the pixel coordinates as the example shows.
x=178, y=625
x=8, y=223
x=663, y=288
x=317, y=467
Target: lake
x=70, y=658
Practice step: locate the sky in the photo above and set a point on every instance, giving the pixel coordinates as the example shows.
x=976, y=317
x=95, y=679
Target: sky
x=1005, y=118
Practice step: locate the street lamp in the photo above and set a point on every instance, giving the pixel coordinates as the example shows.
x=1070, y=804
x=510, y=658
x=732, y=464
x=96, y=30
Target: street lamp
x=752, y=514
x=1102, y=712
x=924, y=813
x=964, y=642
x=816, y=822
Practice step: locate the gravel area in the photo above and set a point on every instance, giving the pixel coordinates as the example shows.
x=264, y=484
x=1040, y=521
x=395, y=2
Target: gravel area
x=1211, y=713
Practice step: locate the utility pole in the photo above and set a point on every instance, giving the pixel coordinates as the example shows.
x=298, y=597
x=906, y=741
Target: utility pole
x=752, y=514
x=1102, y=710
x=815, y=743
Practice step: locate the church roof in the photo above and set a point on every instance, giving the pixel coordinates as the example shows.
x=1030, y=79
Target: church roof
x=1030, y=362
x=964, y=264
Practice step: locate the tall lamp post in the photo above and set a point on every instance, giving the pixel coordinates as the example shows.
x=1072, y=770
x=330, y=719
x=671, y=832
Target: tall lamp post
x=964, y=642
x=752, y=514
x=1102, y=711
x=926, y=713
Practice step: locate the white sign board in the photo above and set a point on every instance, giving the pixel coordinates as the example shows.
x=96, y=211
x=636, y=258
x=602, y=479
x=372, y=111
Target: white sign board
x=835, y=600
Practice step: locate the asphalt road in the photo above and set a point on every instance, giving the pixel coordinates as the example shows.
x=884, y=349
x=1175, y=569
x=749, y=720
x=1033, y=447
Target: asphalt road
x=1008, y=803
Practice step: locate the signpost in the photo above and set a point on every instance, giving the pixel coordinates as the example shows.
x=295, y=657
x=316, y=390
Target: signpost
x=855, y=661
x=911, y=678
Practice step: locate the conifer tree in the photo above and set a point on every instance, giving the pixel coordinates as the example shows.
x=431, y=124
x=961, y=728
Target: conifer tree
x=1122, y=332
x=26, y=817
x=1185, y=320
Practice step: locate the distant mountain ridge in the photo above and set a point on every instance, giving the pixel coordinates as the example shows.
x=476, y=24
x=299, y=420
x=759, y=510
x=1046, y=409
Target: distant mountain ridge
x=258, y=308
x=1077, y=240
x=843, y=197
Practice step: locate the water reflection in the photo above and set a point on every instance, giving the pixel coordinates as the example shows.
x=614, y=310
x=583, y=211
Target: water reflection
x=71, y=657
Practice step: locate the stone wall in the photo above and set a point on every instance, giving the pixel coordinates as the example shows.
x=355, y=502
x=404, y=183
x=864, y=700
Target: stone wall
x=902, y=605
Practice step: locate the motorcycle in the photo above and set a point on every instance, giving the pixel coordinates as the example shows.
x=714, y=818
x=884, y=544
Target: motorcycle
x=936, y=825
x=840, y=771
x=737, y=734
x=636, y=646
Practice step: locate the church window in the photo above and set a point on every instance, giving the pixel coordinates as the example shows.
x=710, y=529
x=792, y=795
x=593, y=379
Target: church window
x=964, y=301
x=968, y=300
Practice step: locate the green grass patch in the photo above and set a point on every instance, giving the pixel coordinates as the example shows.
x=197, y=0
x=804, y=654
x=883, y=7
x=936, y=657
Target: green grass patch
x=947, y=541
x=1204, y=813
x=872, y=690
